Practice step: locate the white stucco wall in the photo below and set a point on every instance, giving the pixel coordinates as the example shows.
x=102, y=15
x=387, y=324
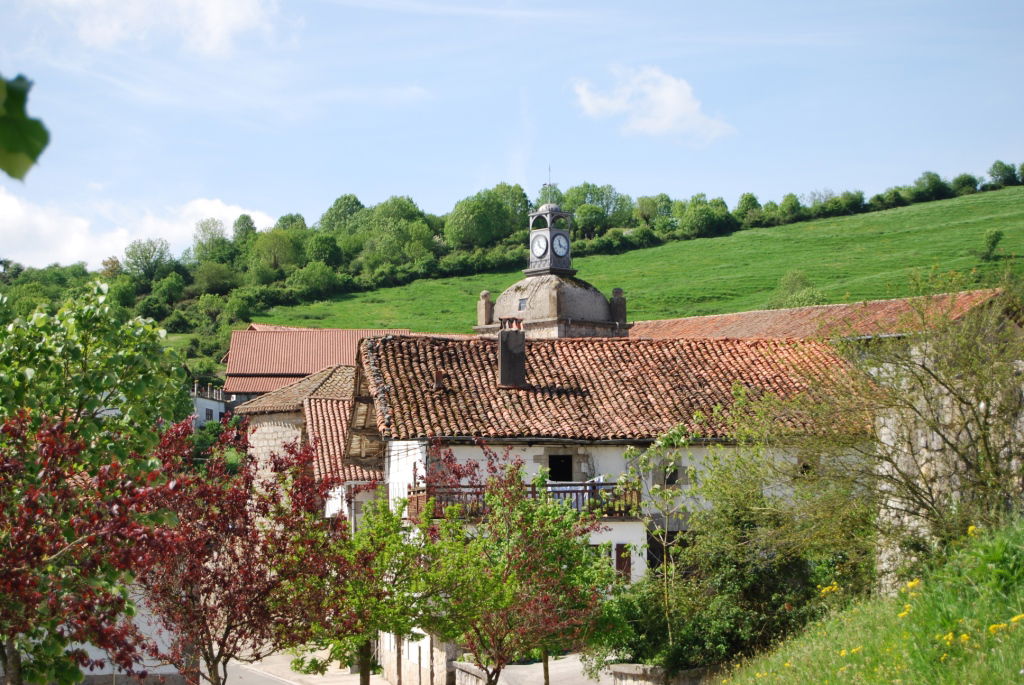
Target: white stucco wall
x=147, y=626
x=202, y=404
x=404, y=463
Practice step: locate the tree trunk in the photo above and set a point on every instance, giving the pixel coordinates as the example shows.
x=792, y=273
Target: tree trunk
x=12, y=663
x=544, y=657
x=492, y=676
x=398, y=658
x=363, y=657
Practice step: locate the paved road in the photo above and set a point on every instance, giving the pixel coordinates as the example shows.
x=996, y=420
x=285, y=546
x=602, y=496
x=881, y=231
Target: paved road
x=275, y=670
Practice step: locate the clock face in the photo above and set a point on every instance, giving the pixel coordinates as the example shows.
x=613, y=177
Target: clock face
x=539, y=245
x=560, y=244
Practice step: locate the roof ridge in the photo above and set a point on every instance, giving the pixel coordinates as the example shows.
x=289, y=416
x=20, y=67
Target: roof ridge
x=994, y=291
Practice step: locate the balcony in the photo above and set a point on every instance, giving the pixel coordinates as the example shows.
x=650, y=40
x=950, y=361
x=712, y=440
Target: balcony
x=597, y=498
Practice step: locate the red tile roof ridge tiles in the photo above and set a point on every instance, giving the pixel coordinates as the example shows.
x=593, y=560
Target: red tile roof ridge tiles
x=865, y=318
x=609, y=389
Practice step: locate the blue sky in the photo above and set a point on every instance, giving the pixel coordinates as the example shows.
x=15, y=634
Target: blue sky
x=164, y=112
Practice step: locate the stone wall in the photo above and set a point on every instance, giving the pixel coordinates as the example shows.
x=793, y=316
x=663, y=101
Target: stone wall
x=468, y=674
x=269, y=433
x=427, y=661
x=640, y=674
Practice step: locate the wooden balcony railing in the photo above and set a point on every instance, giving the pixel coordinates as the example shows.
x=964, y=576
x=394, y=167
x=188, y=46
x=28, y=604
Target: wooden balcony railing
x=599, y=498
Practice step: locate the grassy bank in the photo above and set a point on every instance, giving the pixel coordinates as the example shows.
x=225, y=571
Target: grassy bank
x=851, y=258
x=963, y=623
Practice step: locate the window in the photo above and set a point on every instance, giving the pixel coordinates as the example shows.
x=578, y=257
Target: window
x=522, y=304
x=209, y=415
x=560, y=467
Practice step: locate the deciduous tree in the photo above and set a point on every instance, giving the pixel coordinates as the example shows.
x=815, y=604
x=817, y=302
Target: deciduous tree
x=82, y=391
x=144, y=258
x=217, y=591
x=521, y=577
x=22, y=139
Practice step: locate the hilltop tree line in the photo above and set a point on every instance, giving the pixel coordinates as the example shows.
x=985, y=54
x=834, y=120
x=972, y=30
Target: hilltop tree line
x=230, y=273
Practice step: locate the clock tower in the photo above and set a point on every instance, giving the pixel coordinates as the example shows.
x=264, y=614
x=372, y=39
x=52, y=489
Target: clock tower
x=551, y=302
x=549, y=243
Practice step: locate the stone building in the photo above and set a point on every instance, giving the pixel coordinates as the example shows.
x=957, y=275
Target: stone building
x=551, y=302
x=314, y=410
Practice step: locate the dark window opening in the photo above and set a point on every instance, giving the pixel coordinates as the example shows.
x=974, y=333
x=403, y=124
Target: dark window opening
x=656, y=550
x=623, y=559
x=672, y=477
x=560, y=467
x=522, y=304
x=209, y=414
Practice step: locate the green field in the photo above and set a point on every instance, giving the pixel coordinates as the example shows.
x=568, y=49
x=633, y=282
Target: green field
x=851, y=258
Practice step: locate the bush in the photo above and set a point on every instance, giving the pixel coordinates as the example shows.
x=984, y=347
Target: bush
x=992, y=238
x=316, y=279
x=1003, y=174
x=964, y=184
x=214, y=278
x=930, y=186
x=645, y=236
x=177, y=322
x=152, y=307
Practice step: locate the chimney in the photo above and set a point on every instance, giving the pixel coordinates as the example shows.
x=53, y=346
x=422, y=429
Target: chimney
x=618, y=306
x=511, y=354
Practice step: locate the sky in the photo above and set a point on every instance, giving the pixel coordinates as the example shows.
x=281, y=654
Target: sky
x=166, y=112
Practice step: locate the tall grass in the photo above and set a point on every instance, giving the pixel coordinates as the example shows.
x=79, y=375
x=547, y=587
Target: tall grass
x=962, y=623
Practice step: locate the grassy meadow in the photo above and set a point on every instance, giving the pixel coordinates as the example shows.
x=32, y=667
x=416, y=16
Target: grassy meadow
x=866, y=256
x=963, y=624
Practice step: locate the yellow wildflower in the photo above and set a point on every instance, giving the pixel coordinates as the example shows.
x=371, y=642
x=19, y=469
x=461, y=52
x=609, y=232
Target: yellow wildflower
x=914, y=583
x=788, y=665
x=842, y=652
x=1017, y=618
x=972, y=530
x=906, y=610
x=856, y=650
x=996, y=627
x=943, y=657
x=965, y=638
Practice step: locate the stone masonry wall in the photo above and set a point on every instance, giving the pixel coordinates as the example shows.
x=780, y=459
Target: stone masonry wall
x=268, y=433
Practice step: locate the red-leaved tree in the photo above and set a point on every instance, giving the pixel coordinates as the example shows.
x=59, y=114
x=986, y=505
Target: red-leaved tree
x=217, y=593
x=67, y=537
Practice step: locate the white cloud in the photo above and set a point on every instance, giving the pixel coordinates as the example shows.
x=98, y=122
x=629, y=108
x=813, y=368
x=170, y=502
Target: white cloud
x=652, y=103
x=204, y=26
x=36, y=235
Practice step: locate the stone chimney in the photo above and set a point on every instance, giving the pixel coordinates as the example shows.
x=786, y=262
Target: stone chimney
x=618, y=306
x=511, y=354
x=484, y=309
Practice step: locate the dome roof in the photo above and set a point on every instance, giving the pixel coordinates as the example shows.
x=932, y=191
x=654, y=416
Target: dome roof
x=548, y=207
x=552, y=296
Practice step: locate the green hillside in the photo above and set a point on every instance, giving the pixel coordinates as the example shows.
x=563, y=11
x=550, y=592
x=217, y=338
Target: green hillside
x=962, y=624
x=866, y=256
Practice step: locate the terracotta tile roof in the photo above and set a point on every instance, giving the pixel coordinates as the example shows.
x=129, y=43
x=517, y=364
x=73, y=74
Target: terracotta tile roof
x=581, y=389
x=327, y=423
x=254, y=326
x=334, y=382
x=876, y=317
x=264, y=360
x=325, y=400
